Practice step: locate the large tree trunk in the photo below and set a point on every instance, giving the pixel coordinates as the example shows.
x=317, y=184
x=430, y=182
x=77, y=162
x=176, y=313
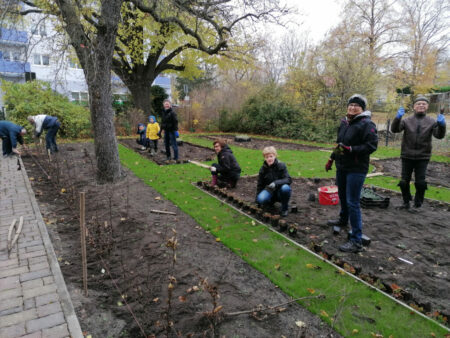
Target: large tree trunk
x=140, y=91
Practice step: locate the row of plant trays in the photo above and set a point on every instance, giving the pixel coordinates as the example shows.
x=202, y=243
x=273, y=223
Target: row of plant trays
x=292, y=228
x=252, y=209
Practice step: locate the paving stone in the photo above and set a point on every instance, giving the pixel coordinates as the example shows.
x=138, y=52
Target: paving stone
x=45, y=322
x=33, y=248
x=48, y=309
x=47, y=299
x=10, y=294
x=36, y=260
x=59, y=331
x=48, y=280
x=10, y=303
x=9, y=282
x=17, y=330
x=34, y=254
x=16, y=318
x=35, y=274
x=37, y=334
x=11, y=310
x=40, y=266
x=14, y=271
x=34, y=283
x=29, y=303
x=29, y=293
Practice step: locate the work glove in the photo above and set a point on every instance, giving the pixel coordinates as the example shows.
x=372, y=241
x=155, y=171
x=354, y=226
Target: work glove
x=329, y=164
x=400, y=112
x=441, y=120
x=213, y=169
x=271, y=187
x=345, y=149
x=177, y=134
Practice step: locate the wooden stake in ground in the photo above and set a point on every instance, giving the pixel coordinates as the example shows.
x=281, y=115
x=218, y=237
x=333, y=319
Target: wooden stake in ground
x=83, y=241
x=200, y=164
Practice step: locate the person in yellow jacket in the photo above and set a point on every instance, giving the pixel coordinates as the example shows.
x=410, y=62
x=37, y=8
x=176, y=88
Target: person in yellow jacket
x=152, y=134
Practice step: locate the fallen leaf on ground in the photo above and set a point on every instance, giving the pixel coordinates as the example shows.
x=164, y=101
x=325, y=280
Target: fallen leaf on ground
x=299, y=323
x=311, y=291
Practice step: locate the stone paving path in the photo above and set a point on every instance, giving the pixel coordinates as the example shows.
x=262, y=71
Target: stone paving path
x=34, y=301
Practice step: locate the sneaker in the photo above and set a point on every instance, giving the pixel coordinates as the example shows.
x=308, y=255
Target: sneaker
x=336, y=223
x=404, y=206
x=284, y=213
x=351, y=246
x=143, y=148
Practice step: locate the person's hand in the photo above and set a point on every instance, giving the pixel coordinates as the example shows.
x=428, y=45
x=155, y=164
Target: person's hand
x=15, y=151
x=213, y=169
x=441, y=119
x=400, y=112
x=329, y=164
x=177, y=134
x=159, y=134
x=346, y=149
x=272, y=186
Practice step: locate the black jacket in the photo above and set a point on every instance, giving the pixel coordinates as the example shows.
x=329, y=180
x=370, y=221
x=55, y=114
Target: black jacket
x=277, y=173
x=169, y=121
x=228, y=166
x=361, y=134
x=417, y=132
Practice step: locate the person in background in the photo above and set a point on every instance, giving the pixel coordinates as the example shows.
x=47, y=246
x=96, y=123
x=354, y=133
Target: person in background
x=418, y=130
x=357, y=139
x=142, y=139
x=273, y=181
x=169, y=124
x=11, y=134
x=226, y=173
x=46, y=122
x=152, y=134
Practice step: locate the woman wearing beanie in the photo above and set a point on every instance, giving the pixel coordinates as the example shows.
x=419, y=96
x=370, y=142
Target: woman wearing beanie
x=357, y=139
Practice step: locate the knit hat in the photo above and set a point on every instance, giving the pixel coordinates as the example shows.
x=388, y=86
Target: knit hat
x=358, y=99
x=152, y=117
x=421, y=98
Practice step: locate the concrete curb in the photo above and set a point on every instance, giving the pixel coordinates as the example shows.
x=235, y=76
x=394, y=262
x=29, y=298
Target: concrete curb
x=66, y=303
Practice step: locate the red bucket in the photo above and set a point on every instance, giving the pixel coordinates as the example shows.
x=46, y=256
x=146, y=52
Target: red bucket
x=328, y=195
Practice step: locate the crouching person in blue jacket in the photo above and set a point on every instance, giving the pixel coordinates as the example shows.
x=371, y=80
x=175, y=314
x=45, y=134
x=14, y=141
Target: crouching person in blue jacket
x=142, y=139
x=273, y=181
x=11, y=134
x=49, y=123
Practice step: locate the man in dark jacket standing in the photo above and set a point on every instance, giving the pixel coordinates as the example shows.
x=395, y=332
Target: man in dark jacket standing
x=226, y=173
x=10, y=134
x=357, y=139
x=418, y=130
x=169, y=123
x=273, y=181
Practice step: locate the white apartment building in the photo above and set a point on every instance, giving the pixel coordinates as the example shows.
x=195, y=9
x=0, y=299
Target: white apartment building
x=37, y=51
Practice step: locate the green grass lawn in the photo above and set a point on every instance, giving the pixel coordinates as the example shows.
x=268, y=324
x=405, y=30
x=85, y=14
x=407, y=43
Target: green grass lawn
x=351, y=307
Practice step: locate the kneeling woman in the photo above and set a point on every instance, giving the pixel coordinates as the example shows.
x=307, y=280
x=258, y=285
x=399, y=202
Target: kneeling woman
x=273, y=181
x=226, y=173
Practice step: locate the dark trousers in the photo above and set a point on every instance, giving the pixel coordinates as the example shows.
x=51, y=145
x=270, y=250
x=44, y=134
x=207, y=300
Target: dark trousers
x=153, y=144
x=50, y=138
x=349, y=189
x=418, y=166
x=6, y=146
x=171, y=140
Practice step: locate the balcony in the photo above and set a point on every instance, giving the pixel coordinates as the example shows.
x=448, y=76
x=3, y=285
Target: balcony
x=13, y=68
x=13, y=37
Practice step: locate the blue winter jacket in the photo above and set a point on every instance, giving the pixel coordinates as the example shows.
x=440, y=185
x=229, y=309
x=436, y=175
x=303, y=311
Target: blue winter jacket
x=11, y=131
x=142, y=132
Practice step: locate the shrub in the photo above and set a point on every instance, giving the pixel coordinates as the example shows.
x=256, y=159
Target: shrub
x=36, y=97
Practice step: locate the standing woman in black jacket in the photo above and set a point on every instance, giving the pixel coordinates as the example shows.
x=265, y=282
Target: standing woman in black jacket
x=357, y=139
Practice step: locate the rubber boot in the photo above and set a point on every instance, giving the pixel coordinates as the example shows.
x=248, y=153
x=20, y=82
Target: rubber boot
x=213, y=180
x=406, y=194
x=420, y=193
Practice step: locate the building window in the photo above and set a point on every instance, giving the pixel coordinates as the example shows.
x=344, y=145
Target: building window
x=6, y=55
x=79, y=96
x=39, y=29
x=73, y=64
x=39, y=59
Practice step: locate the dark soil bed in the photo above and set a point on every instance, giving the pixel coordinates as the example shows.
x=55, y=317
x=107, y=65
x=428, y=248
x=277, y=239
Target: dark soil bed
x=421, y=238
x=438, y=173
x=256, y=143
x=131, y=265
x=186, y=152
